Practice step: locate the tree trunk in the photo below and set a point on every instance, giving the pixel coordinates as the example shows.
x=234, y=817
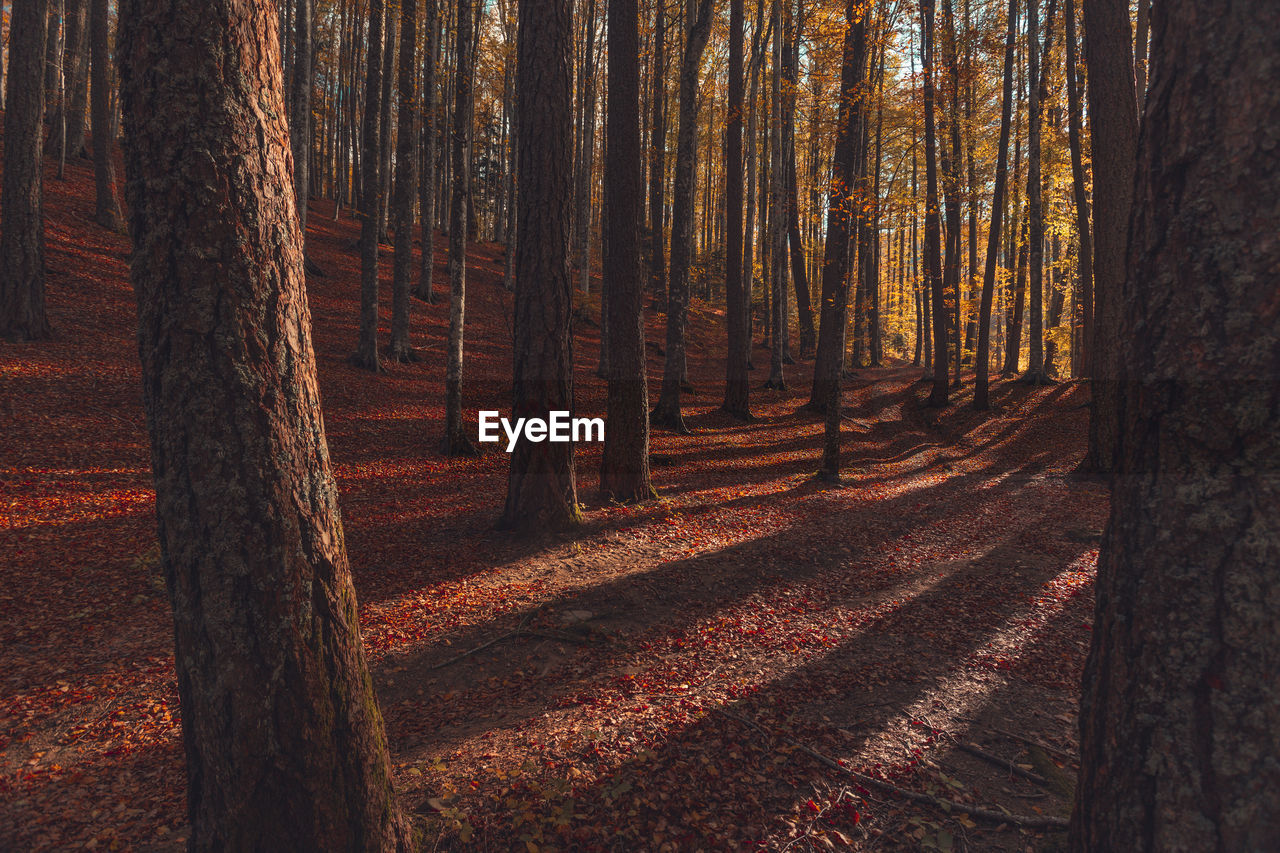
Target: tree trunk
x=1181, y=707
x=1038, y=75
x=624, y=468
x=22, y=310
x=430, y=125
x=389, y=30
x=777, y=213
x=932, y=227
x=107, y=212
x=541, y=495
x=951, y=165
x=799, y=274
x=667, y=413
x=737, y=389
x=406, y=182
x=658, y=161
x=982, y=361
x=1085, y=254
x=586, y=149
x=1113, y=118
x=67, y=140
x=455, y=440
x=284, y=740
x=835, y=256
x=370, y=202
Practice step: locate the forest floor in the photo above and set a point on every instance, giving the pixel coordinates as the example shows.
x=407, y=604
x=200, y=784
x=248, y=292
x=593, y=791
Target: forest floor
x=659, y=681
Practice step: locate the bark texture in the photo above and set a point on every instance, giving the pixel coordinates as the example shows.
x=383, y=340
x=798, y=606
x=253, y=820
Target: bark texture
x=284, y=741
x=624, y=469
x=406, y=183
x=736, y=389
x=22, y=311
x=1180, y=721
x=455, y=440
x=541, y=494
x=366, y=354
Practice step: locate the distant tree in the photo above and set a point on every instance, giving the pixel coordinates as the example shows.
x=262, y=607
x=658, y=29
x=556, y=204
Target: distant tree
x=1038, y=74
x=658, y=160
x=107, y=213
x=932, y=224
x=406, y=183
x=284, y=740
x=22, y=310
x=835, y=262
x=1084, y=258
x=455, y=439
x=982, y=364
x=427, y=153
x=300, y=109
x=541, y=493
x=624, y=467
x=737, y=382
x=366, y=355
x=1181, y=706
x=667, y=413
x=1113, y=120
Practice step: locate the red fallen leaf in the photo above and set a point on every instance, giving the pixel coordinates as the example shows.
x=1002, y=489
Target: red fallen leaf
x=813, y=807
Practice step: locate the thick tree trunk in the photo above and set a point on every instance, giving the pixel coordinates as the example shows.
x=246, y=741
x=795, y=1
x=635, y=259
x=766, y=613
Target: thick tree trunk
x=430, y=126
x=737, y=389
x=624, y=468
x=932, y=226
x=541, y=494
x=1181, y=709
x=370, y=202
x=1113, y=118
x=455, y=439
x=835, y=257
x=284, y=741
x=982, y=362
x=406, y=182
x=22, y=310
x=667, y=413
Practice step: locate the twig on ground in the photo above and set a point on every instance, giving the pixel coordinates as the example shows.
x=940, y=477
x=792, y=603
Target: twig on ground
x=1065, y=756
x=1003, y=764
x=507, y=636
x=1030, y=821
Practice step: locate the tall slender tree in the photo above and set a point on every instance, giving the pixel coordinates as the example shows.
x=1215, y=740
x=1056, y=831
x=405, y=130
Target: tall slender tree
x=107, y=210
x=366, y=354
x=624, y=467
x=541, y=493
x=430, y=129
x=22, y=307
x=406, y=182
x=982, y=362
x=1084, y=257
x=932, y=225
x=658, y=160
x=667, y=412
x=1113, y=121
x=1181, y=705
x=284, y=741
x=300, y=109
x=737, y=388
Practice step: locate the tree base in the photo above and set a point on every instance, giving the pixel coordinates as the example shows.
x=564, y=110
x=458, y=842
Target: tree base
x=788, y=360
x=669, y=418
x=739, y=413
x=404, y=354
x=426, y=296
x=831, y=478
x=457, y=444
x=1037, y=377
x=364, y=362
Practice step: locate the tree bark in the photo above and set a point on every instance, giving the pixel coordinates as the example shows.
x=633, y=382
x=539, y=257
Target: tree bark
x=541, y=494
x=406, y=182
x=107, y=211
x=22, y=308
x=737, y=384
x=1181, y=708
x=1084, y=265
x=624, y=468
x=982, y=362
x=455, y=439
x=667, y=413
x=658, y=162
x=300, y=110
x=430, y=124
x=1113, y=118
x=835, y=257
x=1038, y=78
x=284, y=740
x=370, y=201
x=932, y=226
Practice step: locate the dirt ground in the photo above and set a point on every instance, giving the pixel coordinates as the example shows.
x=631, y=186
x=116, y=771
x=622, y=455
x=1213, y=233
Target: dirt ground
x=698, y=672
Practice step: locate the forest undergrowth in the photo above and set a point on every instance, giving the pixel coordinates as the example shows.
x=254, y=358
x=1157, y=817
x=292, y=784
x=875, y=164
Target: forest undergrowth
x=668, y=678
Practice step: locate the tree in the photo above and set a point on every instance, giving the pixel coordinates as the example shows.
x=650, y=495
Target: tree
x=932, y=226
x=982, y=363
x=1181, y=702
x=624, y=468
x=1084, y=258
x=22, y=311
x=107, y=213
x=658, y=159
x=541, y=494
x=737, y=384
x=406, y=186
x=667, y=413
x=1113, y=118
x=1039, y=85
x=835, y=261
x=455, y=440
x=430, y=123
x=300, y=110
x=284, y=741
x=366, y=355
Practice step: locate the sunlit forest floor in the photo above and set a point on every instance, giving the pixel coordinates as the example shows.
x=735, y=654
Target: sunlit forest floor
x=570, y=693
